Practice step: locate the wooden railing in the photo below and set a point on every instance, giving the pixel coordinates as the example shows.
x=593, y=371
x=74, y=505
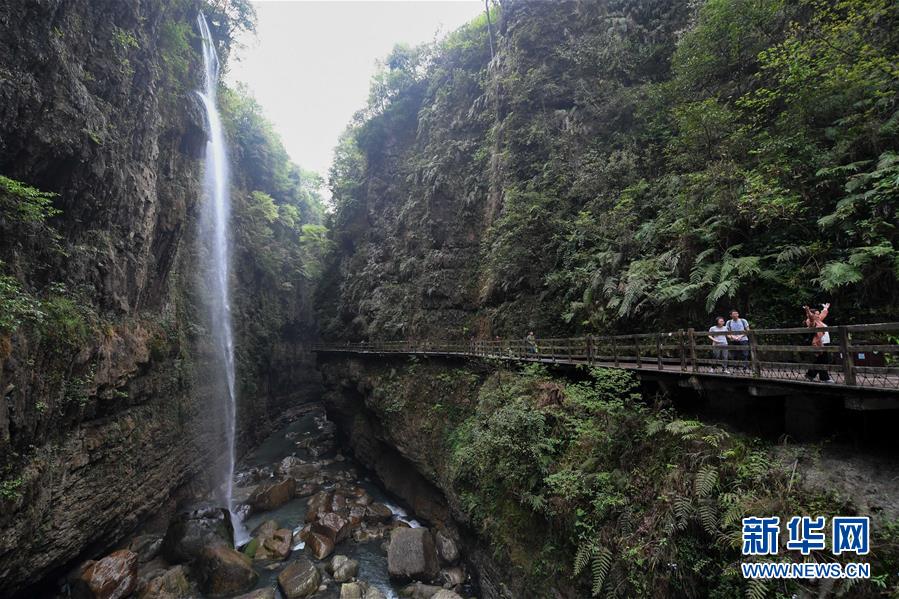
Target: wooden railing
x=858, y=355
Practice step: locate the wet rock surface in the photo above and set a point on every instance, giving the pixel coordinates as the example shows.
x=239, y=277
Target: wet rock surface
x=168, y=584
x=222, y=571
x=112, y=577
x=412, y=555
x=334, y=542
x=195, y=528
x=299, y=579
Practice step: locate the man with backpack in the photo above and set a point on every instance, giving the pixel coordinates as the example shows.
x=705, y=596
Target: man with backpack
x=735, y=325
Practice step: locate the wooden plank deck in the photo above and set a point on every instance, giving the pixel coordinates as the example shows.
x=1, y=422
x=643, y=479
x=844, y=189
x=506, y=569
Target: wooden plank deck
x=860, y=357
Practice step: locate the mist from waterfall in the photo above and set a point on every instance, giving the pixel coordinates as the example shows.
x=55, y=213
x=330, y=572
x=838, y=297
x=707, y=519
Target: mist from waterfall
x=214, y=235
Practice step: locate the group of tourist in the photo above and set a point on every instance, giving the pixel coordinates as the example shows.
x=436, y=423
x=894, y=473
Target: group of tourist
x=723, y=334
x=730, y=344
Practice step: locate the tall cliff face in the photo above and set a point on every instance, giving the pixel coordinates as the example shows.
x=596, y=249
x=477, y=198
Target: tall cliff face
x=622, y=166
x=452, y=147
x=105, y=404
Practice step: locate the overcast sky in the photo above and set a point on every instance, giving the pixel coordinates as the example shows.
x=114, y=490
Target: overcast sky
x=311, y=62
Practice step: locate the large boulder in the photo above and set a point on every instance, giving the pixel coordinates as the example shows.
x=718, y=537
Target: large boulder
x=222, y=571
x=168, y=584
x=195, y=528
x=352, y=590
x=447, y=549
x=272, y=494
x=299, y=579
x=276, y=546
x=342, y=568
x=319, y=545
x=296, y=468
x=113, y=577
x=446, y=594
x=318, y=504
x=411, y=555
x=269, y=542
x=333, y=526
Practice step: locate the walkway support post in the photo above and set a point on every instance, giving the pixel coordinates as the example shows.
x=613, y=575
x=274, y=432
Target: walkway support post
x=683, y=351
x=659, y=351
x=637, y=349
x=848, y=362
x=692, y=334
x=754, y=355
x=615, y=350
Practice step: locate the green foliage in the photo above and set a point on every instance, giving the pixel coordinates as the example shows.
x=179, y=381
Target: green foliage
x=124, y=39
x=644, y=169
x=66, y=323
x=10, y=488
x=23, y=204
x=620, y=489
x=16, y=305
x=315, y=246
x=277, y=222
x=175, y=49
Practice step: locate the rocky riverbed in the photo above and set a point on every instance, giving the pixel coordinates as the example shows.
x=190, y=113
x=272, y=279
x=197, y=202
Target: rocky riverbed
x=311, y=524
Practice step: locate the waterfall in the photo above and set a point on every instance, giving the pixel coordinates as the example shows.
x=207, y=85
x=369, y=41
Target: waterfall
x=214, y=233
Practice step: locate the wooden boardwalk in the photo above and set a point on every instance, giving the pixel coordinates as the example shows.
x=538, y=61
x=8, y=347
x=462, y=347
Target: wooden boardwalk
x=860, y=358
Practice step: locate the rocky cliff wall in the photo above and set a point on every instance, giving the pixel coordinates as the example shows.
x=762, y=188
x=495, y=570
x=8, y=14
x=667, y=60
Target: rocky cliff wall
x=569, y=483
x=104, y=360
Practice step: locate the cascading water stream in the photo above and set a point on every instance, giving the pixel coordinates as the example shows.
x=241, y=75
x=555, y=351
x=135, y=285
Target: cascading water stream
x=214, y=231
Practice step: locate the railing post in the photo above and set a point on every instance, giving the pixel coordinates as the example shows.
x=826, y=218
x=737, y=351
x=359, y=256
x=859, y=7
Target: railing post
x=683, y=351
x=637, y=349
x=590, y=350
x=659, y=351
x=614, y=351
x=848, y=361
x=692, y=334
x=754, y=355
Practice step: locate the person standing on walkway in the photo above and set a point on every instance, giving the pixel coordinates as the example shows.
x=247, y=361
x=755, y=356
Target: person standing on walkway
x=531, y=341
x=719, y=344
x=736, y=325
x=814, y=319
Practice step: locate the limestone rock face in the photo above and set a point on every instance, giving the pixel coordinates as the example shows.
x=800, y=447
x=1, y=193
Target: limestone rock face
x=222, y=571
x=299, y=579
x=412, y=555
x=97, y=105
